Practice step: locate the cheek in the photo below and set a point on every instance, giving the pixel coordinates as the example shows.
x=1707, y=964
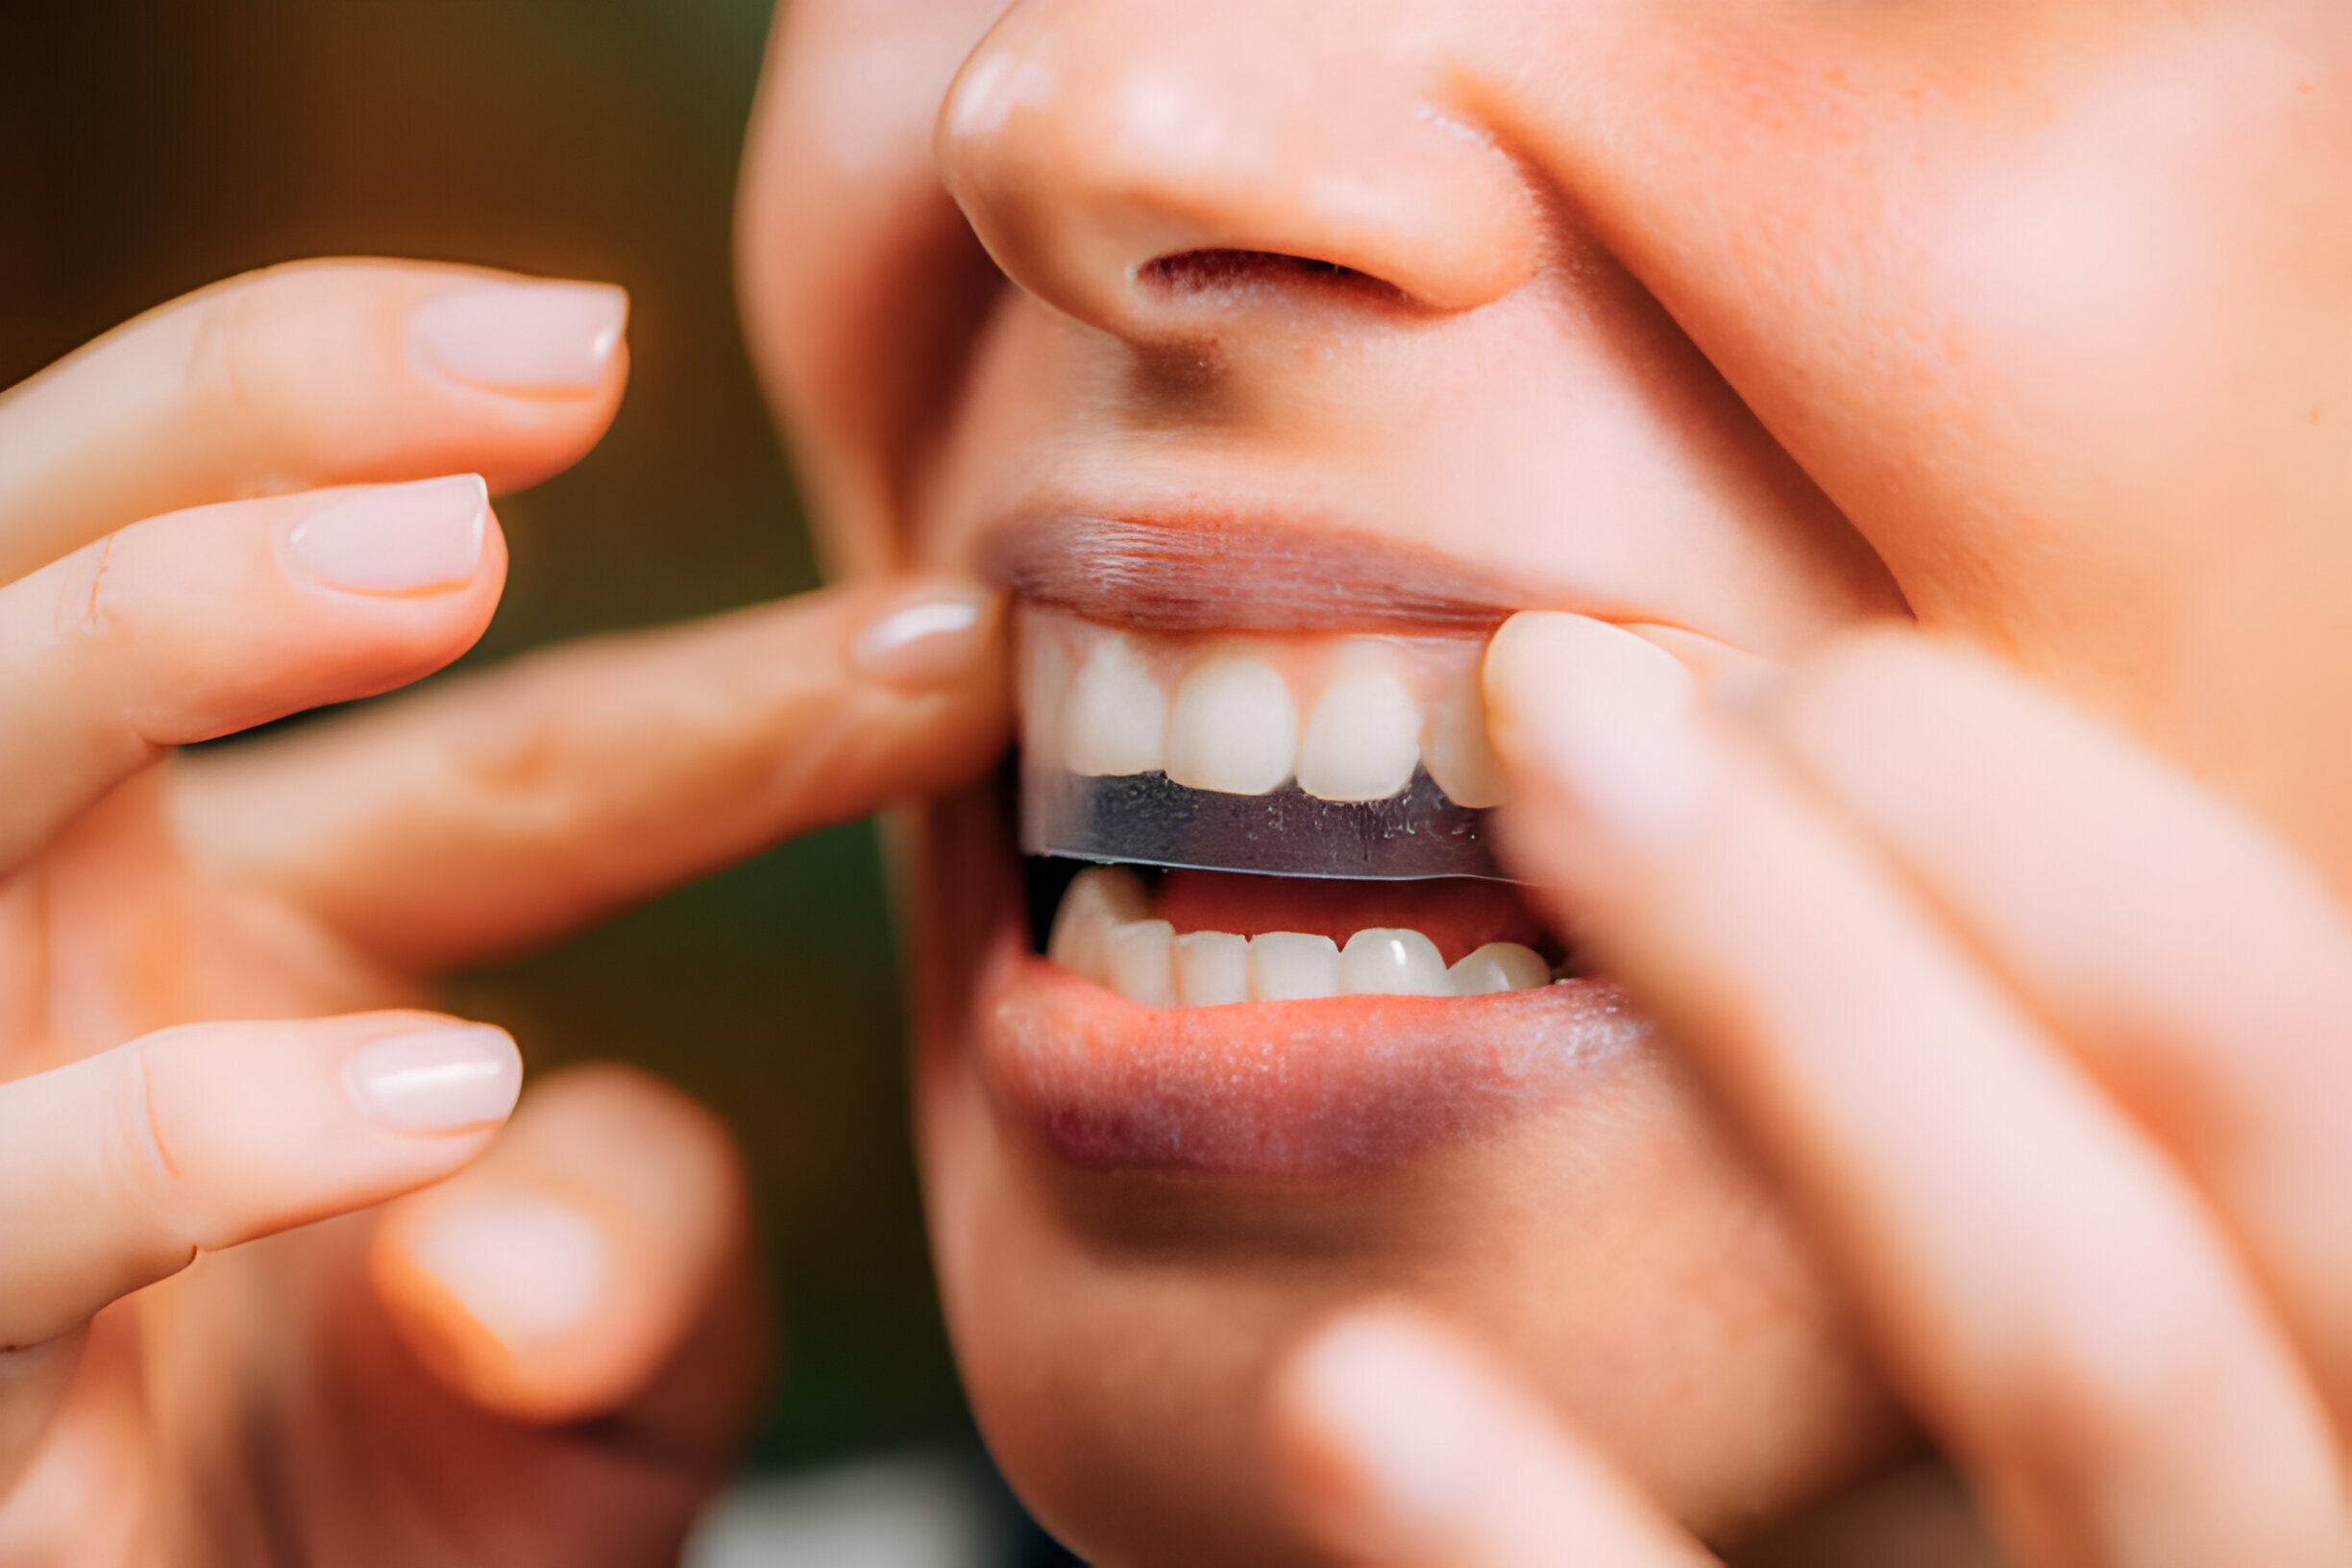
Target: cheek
x=1116, y=1336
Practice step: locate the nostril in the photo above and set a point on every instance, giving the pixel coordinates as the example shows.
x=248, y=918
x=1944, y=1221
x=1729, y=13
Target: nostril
x=1225, y=275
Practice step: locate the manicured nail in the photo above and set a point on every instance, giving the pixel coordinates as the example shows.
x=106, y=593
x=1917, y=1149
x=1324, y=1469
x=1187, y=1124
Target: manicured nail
x=521, y=337
x=437, y=1080
x=397, y=539
x=1602, y=715
x=526, y=1268
x=929, y=638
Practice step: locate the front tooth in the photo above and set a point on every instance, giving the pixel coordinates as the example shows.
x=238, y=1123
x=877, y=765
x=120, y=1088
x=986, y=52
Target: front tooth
x=1232, y=729
x=1499, y=966
x=1099, y=897
x=1363, y=740
x=1044, y=690
x=1139, y=962
x=1391, y=961
x=1290, y=966
x=1115, y=720
x=1211, y=968
x=1455, y=752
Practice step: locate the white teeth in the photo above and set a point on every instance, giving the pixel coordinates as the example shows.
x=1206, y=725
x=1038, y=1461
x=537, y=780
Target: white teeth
x=1115, y=720
x=1233, y=727
x=1100, y=703
x=1386, y=961
x=1105, y=931
x=1099, y=897
x=1365, y=737
x=1456, y=752
x=1139, y=962
x=1046, y=690
x=1290, y=966
x=1211, y=968
x=1499, y=966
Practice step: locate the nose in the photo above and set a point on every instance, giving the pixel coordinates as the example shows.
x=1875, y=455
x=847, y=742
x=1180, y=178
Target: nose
x=1143, y=166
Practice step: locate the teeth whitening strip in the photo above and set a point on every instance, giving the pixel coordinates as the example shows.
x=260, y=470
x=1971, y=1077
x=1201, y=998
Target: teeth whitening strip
x=1327, y=756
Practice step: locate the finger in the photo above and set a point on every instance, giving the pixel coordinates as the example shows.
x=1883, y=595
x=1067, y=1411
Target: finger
x=496, y=812
x=301, y=377
x=2199, y=970
x=2046, y=1287
x=32, y=1384
x=200, y=623
x=1398, y=1444
x=116, y=1170
x=597, y=1262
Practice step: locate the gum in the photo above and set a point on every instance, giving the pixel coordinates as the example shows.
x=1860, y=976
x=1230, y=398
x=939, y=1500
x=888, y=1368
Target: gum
x=1109, y=810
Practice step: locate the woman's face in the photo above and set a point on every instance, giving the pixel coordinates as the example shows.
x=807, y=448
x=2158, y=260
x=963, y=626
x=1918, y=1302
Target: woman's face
x=1740, y=322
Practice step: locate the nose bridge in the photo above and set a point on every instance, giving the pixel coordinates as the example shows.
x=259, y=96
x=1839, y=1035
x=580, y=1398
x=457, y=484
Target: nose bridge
x=1086, y=141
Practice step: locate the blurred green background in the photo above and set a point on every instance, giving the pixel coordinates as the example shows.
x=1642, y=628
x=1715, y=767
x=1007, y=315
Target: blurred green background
x=149, y=148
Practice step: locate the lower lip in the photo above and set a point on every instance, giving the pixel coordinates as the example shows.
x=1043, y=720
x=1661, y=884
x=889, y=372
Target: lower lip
x=1278, y=1090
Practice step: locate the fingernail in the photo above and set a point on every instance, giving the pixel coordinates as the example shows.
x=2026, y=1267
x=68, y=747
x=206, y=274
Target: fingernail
x=522, y=336
x=1602, y=714
x=397, y=539
x=529, y=1270
x=1399, y=1407
x=928, y=639
x=437, y=1080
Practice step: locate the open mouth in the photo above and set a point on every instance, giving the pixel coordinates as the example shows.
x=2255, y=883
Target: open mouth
x=1266, y=935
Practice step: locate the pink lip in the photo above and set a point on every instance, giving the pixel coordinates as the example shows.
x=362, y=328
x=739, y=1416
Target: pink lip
x=1277, y=1090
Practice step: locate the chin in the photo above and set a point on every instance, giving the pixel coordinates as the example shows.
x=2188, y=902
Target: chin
x=1137, y=1210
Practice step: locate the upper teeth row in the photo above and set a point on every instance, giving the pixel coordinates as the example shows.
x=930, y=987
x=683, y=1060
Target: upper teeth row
x=1095, y=703
x=1105, y=932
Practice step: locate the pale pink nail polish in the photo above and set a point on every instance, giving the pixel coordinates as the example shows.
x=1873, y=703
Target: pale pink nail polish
x=529, y=1270
x=442, y=1080
x=928, y=639
x=523, y=337
x=396, y=539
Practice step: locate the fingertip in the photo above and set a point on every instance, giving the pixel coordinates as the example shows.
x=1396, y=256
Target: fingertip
x=527, y=338
x=453, y=1077
x=1375, y=1423
x=1400, y=1441
x=930, y=635
x=511, y=1297
x=1596, y=728
x=557, y=1279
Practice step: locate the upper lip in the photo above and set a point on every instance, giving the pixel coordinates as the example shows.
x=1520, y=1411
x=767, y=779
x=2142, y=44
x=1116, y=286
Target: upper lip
x=1216, y=572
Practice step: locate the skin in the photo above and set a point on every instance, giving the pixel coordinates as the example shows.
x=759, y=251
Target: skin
x=173, y=1386
x=2018, y=323
x=2006, y=1048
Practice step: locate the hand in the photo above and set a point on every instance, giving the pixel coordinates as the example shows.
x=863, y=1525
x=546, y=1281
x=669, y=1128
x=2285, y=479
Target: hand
x=2049, y=1046
x=255, y=500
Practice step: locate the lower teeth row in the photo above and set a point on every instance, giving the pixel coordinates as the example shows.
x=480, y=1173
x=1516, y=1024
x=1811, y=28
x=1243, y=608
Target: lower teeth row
x=1105, y=932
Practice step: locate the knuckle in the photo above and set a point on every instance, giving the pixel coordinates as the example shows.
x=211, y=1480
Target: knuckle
x=215, y=382
x=89, y=609
x=143, y=1161
x=237, y=381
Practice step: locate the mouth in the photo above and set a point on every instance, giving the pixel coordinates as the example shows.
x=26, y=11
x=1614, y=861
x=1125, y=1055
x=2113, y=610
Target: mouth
x=1265, y=933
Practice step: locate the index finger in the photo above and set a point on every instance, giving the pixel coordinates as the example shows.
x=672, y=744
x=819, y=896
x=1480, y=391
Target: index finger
x=301, y=377
x=495, y=812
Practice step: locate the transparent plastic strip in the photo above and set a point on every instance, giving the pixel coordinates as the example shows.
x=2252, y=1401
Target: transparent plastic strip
x=1334, y=752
